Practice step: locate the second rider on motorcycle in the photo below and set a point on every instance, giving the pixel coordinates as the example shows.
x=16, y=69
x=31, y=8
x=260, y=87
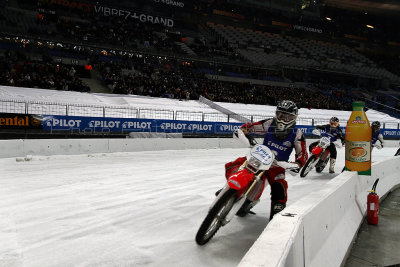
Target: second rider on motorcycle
x=281, y=136
x=332, y=129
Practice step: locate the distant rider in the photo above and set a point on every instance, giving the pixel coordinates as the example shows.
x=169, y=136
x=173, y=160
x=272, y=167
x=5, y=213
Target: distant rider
x=377, y=137
x=281, y=136
x=333, y=130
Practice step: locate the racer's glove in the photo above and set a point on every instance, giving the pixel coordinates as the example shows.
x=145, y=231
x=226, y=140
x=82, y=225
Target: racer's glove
x=252, y=140
x=316, y=132
x=243, y=136
x=249, y=136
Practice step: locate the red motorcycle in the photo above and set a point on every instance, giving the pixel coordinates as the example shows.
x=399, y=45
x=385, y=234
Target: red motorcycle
x=241, y=192
x=319, y=157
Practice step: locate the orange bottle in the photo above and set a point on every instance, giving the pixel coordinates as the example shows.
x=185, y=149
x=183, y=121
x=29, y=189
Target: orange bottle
x=358, y=141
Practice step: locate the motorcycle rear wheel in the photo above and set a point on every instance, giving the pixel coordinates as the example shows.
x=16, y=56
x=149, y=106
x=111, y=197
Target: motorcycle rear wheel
x=308, y=166
x=215, y=217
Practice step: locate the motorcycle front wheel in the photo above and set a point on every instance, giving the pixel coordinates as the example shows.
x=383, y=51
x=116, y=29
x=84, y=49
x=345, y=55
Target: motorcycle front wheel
x=308, y=166
x=321, y=165
x=215, y=217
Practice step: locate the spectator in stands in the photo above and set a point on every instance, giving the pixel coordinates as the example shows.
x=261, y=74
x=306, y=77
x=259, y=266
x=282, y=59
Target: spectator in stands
x=21, y=72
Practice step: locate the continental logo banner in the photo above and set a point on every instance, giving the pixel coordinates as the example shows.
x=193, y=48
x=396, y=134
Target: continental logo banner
x=20, y=121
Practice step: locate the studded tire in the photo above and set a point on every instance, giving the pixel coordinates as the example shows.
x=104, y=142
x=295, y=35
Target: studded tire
x=215, y=217
x=308, y=166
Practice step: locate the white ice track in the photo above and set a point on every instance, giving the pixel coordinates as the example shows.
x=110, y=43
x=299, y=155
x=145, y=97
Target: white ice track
x=128, y=209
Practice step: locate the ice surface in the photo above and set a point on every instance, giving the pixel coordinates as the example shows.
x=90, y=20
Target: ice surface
x=128, y=209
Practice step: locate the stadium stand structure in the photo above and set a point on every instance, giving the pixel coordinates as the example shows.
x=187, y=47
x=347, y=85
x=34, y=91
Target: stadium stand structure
x=224, y=50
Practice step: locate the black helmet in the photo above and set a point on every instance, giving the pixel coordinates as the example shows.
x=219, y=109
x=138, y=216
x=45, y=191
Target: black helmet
x=286, y=115
x=334, y=122
x=376, y=125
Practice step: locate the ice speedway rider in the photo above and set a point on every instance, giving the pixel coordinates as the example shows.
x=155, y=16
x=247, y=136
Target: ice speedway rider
x=333, y=130
x=280, y=135
x=376, y=135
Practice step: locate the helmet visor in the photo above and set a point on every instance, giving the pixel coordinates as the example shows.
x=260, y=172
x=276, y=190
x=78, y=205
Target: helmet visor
x=334, y=123
x=285, y=117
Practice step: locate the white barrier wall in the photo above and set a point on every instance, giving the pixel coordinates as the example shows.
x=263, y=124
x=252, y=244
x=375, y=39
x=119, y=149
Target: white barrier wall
x=324, y=223
x=20, y=148
x=45, y=147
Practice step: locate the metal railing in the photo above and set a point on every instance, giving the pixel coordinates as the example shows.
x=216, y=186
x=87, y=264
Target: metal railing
x=65, y=109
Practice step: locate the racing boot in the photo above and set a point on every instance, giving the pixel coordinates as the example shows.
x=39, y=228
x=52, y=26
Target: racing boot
x=275, y=208
x=245, y=208
x=332, y=166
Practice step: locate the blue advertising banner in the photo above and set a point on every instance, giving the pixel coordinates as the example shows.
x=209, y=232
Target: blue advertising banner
x=390, y=133
x=387, y=133
x=121, y=125
x=307, y=130
x=101, y=125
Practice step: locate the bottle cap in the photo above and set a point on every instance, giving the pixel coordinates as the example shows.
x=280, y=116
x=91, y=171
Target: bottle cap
x=358, y=104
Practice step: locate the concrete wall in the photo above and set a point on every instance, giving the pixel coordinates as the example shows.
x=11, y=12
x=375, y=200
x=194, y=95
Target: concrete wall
x=324, y=223
x=21, y=148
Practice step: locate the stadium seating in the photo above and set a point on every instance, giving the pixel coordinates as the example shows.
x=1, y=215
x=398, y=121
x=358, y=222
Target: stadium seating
x=218, y=60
